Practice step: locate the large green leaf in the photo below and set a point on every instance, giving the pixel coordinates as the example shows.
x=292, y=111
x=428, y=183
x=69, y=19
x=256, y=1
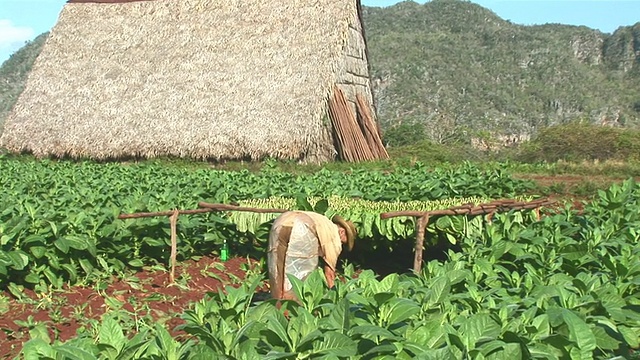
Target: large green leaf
x=111, y=334
x=336, y=344
x=603, y=340
x=40, y=331
x=438, y=354
x=38, y=349
x=579, y=331
x=19, y=259
x=77, y=242
x=630, y=335
x=371, y=331
x=62, y=244
x=73, y=353
x=341, y=316
x=399, y=310
x=439, y=289
x=38, y=251
x=498, y=350
x=430, y=334
x=276, y=333
x=478, y=328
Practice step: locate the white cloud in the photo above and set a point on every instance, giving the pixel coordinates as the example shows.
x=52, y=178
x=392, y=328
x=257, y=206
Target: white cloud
x=13, y=37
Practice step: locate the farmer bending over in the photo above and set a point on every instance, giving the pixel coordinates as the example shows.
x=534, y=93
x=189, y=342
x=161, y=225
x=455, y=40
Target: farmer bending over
x=296, y=240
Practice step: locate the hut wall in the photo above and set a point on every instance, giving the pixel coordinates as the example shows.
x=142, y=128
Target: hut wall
x=355, y=79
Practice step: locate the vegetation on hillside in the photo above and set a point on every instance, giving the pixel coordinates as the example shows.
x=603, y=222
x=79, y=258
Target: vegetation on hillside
x=571, y=142
x=459, y=71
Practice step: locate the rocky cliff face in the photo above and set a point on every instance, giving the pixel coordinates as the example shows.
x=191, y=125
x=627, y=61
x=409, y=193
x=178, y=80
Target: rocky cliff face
x=622, y=49
x=587, y=47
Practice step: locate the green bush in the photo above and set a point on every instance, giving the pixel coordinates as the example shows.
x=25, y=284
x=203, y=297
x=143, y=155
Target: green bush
x=404, y=134
x=431, y=153
x=628, y=145
x=581, y=142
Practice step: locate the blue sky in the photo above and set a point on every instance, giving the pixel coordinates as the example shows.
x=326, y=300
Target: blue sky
x=22, y=20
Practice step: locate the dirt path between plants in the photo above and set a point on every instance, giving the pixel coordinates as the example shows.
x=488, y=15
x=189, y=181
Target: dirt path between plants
x=573, y=189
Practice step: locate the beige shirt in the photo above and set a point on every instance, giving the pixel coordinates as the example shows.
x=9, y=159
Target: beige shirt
x=296, y=240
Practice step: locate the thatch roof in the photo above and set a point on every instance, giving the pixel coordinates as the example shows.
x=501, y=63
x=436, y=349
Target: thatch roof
x=190, y=78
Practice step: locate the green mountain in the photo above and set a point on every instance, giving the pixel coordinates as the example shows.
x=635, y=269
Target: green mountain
x=451, y=70
x=13, y=74
x=461, y=71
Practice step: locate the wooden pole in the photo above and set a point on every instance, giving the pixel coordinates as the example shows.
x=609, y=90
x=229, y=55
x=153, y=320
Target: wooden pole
x=173, y=220
x=206, y=207
x=472, y=210
x=490, y=217
x=421, y=227
x=162, y=213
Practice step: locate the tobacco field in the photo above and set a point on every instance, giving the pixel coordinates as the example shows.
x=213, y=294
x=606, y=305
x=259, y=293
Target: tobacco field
x=58, y=220
x=566, y=286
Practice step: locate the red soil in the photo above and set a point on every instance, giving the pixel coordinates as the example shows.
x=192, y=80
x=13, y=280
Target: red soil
x=145, y=294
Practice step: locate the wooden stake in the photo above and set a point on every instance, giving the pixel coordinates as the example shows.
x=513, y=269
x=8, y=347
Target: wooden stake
x=421, y=227
x=490, y=217
x=173, y=220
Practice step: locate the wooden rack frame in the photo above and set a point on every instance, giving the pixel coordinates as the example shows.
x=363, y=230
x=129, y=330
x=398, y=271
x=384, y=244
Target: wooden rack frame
x=421, y=224
x=469, y=209
x=173, y=221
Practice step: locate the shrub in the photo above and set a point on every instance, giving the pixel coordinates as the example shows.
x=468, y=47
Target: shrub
x=581, y=142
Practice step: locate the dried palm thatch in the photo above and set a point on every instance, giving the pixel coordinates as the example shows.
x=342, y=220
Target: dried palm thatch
x=205, y=79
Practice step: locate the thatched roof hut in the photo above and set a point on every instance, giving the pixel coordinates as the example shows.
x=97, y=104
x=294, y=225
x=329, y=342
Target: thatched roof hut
x=204, y=79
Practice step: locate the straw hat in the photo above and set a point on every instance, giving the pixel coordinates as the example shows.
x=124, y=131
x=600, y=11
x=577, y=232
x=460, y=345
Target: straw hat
x=349, y=228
